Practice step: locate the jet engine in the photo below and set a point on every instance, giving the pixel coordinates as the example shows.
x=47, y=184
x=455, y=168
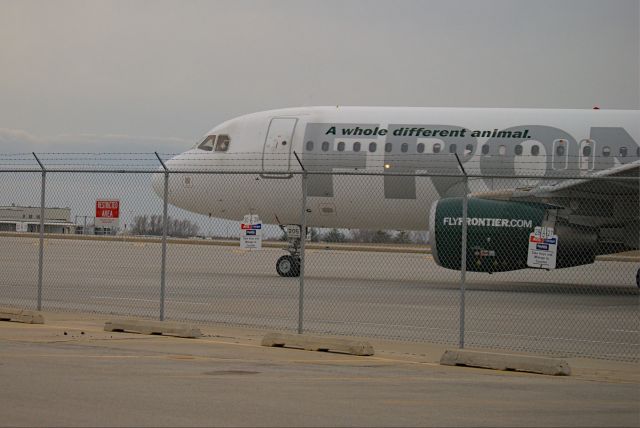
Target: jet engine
x=498, y=235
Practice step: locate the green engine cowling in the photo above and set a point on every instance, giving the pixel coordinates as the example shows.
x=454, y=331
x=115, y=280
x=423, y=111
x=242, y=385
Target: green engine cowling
x=498, y=235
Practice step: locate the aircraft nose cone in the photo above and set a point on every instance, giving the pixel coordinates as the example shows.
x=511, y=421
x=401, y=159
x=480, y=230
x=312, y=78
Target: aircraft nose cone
x=157, y=183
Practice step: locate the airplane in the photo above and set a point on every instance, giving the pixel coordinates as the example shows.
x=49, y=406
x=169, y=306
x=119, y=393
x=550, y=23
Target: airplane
x=555, y=169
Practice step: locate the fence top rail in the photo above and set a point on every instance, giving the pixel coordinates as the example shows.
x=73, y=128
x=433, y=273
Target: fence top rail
x=336, y=173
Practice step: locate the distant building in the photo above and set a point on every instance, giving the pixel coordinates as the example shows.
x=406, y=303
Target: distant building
x=27, y=219
x=85, y=225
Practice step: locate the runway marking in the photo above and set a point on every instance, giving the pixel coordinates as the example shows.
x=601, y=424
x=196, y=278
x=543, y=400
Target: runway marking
x=149, y=300
x=551, y=338
x=125, y=298
x=625, y=331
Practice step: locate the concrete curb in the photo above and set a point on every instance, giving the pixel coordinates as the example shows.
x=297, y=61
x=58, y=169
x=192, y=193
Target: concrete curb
x=315, y=343
x=521, y=363
x=20, y=315
x=153, y=327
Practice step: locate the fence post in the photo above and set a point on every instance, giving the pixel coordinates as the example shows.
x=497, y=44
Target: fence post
x=303, y=238
x=164, y=236
x=463, y=259
x=41, y=249
x=463, y=250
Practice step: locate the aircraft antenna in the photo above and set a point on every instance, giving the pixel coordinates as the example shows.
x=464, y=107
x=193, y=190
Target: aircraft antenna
x=460, y=164
x=299, y=161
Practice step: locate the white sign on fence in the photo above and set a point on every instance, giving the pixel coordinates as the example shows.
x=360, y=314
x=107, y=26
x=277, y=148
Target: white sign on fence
x=543, y=248
x=251, y=232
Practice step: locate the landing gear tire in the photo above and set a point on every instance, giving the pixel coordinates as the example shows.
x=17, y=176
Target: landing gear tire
x=638, y=278
x=288, y=266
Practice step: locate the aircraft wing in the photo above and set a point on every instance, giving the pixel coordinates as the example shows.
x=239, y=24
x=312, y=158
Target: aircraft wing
x=589, y=201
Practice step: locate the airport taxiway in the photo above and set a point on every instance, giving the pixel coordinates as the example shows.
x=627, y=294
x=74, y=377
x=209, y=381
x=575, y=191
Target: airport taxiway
x=589, y=310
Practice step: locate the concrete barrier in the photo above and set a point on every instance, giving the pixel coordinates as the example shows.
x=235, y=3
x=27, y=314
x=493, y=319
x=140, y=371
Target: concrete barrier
x=315, y=343
x=522, y=363
x=153, y=327
x=20, y=315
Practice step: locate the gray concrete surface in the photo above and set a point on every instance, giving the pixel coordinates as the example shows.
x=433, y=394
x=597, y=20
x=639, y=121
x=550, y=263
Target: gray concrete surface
x=589, y=310
x=70, y=372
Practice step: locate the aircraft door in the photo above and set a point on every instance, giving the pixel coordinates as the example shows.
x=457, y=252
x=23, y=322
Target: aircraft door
x=276, y=154
x=560, y=155
x=587, y=155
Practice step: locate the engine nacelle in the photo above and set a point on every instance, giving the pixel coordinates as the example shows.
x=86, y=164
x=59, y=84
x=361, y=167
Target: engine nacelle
x=498, y=235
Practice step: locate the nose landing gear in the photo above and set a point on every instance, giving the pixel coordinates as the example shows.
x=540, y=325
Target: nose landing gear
x=289, y=266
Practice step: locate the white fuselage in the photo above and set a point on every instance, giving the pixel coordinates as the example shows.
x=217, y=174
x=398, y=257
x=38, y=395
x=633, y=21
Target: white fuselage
x=528, y=143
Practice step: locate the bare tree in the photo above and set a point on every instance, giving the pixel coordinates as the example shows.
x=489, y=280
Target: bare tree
x=419, y=237
x=403, y=237
x=140, y=225
x=334, y=235
x=145, y=225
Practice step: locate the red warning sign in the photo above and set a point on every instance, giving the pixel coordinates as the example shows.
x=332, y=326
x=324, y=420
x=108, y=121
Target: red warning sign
x=107, y=209
x=107, y=212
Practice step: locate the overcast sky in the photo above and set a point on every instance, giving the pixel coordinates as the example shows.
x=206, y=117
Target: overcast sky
x=156, y=75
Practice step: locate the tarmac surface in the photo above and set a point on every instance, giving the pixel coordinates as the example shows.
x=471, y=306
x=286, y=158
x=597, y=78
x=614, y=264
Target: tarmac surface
x=590, y=310
x=69, y=372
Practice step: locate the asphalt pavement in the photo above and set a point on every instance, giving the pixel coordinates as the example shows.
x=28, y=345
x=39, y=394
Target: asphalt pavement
x=69, y=372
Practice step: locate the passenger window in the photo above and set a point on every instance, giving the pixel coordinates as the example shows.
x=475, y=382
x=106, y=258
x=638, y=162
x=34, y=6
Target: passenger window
x=420, y=148
x=502, y=150
x=586, y=151
x=623, y=152
x=309, y=146
x=325, y=146
x=437, y=147
x=606, y=151
x=535, y=150
x=404, y=148
x=207, y=144
x=356, y=146
x=485, y=149
x=518, y=149
x=341, y=146
x=222, y=143
x=387, y=147
x=372, y=147
x=468, y=149
x=453, y=148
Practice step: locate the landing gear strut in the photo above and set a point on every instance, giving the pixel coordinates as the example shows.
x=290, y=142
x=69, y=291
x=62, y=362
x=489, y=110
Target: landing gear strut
x=289, y=266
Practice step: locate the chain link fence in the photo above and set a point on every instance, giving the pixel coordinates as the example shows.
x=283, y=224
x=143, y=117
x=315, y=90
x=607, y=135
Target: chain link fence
x=462, y=275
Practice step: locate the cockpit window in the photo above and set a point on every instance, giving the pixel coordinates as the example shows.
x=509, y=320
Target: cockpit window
x=222, y=144
x=207, y=144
